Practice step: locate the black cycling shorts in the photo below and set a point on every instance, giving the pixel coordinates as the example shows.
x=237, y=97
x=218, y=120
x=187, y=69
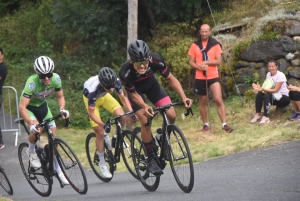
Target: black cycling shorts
x=200, y=86
x=155, y=93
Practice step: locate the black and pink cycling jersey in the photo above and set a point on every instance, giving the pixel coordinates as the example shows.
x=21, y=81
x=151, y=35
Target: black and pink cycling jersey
x=134, y=81
x=146, y=83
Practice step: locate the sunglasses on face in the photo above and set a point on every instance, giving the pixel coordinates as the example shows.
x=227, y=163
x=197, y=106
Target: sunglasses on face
x=43, y=76
x=139, y=63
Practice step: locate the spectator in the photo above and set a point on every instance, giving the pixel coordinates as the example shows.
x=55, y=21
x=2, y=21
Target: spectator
x=264, y=95
x=3, y=73
x=205, y=57
x=294, y=95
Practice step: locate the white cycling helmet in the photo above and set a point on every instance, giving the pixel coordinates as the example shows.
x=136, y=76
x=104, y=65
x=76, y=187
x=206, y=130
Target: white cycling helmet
x=43, y=65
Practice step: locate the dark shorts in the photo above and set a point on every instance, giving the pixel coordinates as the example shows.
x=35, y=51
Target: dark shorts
x=200, y=86
x=294, y=95
x=39, y=112
x=156, y=94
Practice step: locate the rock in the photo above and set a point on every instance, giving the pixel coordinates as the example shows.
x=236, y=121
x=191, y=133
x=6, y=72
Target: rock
x=297, y=39
x=289, y=57
x=296, y=62
x=264, y=50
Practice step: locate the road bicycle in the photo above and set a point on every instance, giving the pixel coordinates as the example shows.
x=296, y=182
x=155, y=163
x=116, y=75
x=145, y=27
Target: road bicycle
x=112, y=157
x=41, y=179
x=173, y=148
x=4, y=182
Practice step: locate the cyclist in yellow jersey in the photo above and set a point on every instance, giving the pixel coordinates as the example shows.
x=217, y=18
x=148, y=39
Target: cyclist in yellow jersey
x=97, y=92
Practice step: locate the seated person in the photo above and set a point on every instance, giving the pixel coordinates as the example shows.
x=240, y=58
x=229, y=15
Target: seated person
x=264, y=96
x=294, y=95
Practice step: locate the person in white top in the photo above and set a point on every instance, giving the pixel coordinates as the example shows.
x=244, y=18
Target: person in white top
x=265, y=97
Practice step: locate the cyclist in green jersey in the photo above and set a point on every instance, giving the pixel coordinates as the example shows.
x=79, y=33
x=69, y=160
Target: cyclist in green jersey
x=34, y=108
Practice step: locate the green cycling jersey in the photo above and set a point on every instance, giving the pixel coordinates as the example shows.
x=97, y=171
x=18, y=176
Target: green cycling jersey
x=37, y=91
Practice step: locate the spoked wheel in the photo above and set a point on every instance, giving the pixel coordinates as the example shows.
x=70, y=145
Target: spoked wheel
x=70, y=166
x=126, y=152
x=139, y=153
x=4, y=182
x=92, y=155
x=180, y=159
x=40, y=182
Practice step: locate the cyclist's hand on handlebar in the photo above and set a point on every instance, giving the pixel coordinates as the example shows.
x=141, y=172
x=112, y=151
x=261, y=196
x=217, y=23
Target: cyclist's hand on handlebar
x=107, y=128
x=33, y=129
x=134, y=118
x=187, y=102
x=148, y=111
x=64, y=113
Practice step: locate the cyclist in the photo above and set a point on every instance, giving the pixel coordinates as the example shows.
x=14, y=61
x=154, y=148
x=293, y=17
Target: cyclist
x=34, y=107
x=97, y=92
x=137, y=74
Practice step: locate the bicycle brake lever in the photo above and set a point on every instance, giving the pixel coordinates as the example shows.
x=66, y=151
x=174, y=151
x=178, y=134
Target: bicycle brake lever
x=189, y=110
x=68, y=122
x=149, y=122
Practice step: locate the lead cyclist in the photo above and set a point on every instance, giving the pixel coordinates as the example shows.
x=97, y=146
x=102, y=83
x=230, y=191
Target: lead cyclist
x=137, y=74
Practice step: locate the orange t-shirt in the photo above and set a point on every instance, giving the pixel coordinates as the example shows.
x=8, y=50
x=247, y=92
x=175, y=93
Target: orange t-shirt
x=212, y=71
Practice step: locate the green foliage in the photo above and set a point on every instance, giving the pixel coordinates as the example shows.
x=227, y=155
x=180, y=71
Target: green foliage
x=239, y=48
x=98, y=24
x=251, y=79
x=269, y=35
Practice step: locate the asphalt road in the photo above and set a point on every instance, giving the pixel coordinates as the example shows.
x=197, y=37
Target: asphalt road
x=261, y=175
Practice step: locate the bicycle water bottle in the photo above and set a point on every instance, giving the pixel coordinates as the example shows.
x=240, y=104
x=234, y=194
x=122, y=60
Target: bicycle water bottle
x=158, y=136
x=114, y=141
x=107, y=141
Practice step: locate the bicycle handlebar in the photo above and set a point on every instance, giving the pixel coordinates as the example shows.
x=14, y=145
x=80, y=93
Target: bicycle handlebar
x=109, y=120
x=166, y=107
x=47, y=121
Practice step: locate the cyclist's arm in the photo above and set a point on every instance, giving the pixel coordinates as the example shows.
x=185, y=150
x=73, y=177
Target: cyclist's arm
x=23, y=111
x=138, y=100
x=125, y=102
x=176, y=86
x=60, y=99
x=94, y=117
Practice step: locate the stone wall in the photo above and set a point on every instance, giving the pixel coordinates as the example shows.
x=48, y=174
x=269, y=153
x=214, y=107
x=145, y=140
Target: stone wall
x=252, y=64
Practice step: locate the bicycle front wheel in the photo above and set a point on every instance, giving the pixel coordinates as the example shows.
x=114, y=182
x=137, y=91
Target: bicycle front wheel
x=127, y=154
x=70, y=166
x=181, y=159
x=139, y=157
x=93, y=158
x=4, y=182
x=41, y=183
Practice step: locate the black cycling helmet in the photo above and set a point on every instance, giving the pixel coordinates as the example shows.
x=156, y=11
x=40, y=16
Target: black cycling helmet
x=107, y=77
x=138, y=51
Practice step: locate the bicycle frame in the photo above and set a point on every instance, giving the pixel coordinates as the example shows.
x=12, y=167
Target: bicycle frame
x=119, y=130
x=166, y=122
x=50, y=136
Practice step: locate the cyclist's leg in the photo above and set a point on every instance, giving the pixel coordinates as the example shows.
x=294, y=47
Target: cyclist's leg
x=147, y=138
x=36, y=115
x=99, y=135
x=160, y=98
x=112, y=105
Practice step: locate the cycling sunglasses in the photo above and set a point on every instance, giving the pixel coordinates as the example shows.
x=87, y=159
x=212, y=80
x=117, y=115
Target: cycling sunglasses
x=43, y=76
x=139, y=63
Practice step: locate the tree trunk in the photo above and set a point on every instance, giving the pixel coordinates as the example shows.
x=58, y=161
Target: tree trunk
x=132, y=23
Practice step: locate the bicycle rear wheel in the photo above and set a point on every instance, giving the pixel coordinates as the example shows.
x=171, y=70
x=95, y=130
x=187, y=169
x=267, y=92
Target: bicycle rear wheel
x=41, y=183
x=70, y=166
x=92, y=155
x=181, y=159
x=148, y=180
x=127, y=154
x=4, y=182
